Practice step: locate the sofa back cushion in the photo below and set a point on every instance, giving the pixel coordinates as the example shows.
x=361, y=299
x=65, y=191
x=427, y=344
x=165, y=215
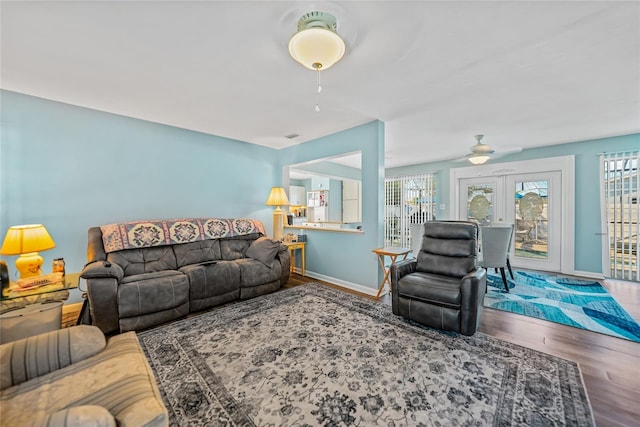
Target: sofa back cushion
x=197, y=252
x=147, y=260
x=236, y=247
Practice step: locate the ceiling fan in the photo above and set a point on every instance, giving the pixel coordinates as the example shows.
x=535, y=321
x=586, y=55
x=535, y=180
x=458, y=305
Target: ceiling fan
x=482, y=152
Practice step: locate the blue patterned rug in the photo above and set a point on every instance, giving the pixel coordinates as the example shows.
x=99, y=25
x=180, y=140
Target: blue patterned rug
x=583, y=304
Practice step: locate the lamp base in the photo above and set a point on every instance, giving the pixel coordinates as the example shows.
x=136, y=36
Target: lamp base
x=29, y=265
x=278, y=224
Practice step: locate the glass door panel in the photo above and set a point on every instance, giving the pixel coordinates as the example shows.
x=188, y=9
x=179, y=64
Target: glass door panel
x=531, y=219
x=481, y=201
x=536, y=211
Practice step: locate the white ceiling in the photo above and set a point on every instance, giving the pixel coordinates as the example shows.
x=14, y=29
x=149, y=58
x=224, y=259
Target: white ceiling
x=524, y=73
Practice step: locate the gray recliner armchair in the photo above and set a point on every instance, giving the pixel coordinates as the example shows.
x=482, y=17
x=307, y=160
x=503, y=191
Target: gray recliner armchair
x=442, y=288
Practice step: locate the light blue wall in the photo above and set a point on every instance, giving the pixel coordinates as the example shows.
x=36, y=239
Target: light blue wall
x=71, y=168
x=588, y=255
x=346, y=256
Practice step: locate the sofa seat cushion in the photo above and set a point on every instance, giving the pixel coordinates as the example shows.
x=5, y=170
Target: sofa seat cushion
x=118, y=379
x=255, y=273
x=431, y=288
x=152, y=292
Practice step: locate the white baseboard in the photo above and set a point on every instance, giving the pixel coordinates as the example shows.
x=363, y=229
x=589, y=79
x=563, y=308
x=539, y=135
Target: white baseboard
x=342, y=283
x=589, y=274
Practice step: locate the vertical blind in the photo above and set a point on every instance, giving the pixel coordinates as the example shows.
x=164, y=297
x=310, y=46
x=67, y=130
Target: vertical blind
x=407, y=200
x=620, y=184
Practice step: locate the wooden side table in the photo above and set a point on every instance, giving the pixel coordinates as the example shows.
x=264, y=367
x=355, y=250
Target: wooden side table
x=393, y=253
x=292, y=249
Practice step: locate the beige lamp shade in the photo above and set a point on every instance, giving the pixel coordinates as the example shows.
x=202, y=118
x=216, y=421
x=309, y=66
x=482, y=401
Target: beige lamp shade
x=22, y=239
x=277, y=197
x=27, y=241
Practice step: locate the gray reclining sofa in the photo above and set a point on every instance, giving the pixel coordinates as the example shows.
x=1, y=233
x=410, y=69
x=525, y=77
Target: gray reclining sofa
x=144, y=273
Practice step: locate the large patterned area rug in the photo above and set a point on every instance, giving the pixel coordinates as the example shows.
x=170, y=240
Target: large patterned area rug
x=312, y=355
x=584, y=304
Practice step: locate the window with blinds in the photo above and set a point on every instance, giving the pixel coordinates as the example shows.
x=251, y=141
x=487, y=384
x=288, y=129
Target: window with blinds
x=620, y=184
x=407, y=200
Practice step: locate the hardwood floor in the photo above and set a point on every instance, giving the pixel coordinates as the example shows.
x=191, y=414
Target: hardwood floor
x=610, y=366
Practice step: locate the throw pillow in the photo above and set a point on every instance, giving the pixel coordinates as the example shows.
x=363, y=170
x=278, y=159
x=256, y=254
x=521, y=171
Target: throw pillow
x=264, y=250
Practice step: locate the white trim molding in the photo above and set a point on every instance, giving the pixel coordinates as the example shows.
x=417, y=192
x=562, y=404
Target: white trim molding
x=342, y=283
x=564, y=164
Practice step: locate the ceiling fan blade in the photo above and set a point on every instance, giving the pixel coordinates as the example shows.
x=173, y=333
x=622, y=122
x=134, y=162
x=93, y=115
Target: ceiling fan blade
x=499, y=152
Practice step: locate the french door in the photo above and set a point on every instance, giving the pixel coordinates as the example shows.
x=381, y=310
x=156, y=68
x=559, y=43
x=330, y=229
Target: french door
x=531, y=201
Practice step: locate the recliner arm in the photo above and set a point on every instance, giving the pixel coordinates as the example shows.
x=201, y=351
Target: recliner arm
x=402, y=268
x=472, y=291
x=102, y=269
x=397, y=271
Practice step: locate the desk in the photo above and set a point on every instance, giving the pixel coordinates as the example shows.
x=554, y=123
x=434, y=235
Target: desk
x=292, y=249
x=392, y=253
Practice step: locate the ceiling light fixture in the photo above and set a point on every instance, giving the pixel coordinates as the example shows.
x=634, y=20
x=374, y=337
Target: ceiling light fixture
x=480, y=152
x=478, y=159
x=317, y=45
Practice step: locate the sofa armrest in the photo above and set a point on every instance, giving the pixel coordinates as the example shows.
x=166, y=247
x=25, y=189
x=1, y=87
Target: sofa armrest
x=38, y=355
x=284, y=257
x=102, y=295
x=102, y=269
x=102, y=279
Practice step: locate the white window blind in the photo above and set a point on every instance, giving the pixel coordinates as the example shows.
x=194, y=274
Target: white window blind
x=408, y=200
x=620, y=184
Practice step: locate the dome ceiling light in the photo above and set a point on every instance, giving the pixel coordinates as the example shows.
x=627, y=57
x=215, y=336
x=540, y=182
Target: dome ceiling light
x=317, y=45
x=480, y=152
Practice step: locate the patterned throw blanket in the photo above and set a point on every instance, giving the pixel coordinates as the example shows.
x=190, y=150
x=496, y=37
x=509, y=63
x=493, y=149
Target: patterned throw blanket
x=145, y=234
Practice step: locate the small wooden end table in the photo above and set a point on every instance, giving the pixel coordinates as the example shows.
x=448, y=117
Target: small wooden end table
x=392, y=253
x=292, y=249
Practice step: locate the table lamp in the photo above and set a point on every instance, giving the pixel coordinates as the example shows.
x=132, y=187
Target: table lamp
x=277, y=197
x=27, y=241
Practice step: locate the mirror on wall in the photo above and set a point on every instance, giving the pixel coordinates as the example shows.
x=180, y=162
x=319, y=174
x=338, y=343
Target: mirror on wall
x=327, y=192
